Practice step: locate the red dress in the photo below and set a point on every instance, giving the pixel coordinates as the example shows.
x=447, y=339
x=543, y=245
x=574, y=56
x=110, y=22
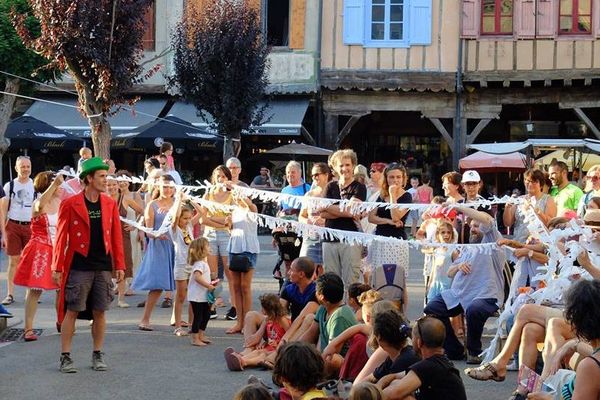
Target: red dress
x=34, y=270
x=274, y=333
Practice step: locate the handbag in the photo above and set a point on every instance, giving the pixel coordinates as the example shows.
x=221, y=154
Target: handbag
x=239, y=263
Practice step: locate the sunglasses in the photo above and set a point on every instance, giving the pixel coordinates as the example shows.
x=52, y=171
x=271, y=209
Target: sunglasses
x=316, y=175
x=594, y=178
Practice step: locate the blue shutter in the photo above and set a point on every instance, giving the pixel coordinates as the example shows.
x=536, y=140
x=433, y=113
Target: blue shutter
x=354, y=15
x=420, y=22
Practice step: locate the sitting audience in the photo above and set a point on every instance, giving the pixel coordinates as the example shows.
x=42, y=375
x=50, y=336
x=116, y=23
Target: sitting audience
x=277, y=323
x=365, y=391
x=435, y=377
x=298, y=368
x=332, y=318
x=392, y=332
x=253, y=391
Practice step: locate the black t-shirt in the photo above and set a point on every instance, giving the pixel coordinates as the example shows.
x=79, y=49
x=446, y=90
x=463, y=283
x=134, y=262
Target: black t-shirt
x=391, y=230
x=440, y=380
x=405, y=359
x=333, y=191
x=97, y=259
x=298, y=300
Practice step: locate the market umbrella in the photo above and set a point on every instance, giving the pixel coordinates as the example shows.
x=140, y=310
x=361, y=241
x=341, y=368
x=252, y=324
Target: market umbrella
x=169, y=129
x=29, y=133
x=587, y=160
x=486, y=162
x=298, y=152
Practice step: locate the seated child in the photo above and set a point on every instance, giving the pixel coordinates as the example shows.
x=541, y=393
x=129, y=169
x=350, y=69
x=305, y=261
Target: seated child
x=298, y=368
x=262, y=354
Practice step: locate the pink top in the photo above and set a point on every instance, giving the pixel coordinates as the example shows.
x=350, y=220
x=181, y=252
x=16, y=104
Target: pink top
x=171, y=162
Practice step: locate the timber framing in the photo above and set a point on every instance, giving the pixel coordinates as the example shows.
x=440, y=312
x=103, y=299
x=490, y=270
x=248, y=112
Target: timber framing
x=388, y=80
x=526, y=78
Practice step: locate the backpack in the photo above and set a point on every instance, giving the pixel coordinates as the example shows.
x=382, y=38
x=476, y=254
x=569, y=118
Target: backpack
x=389, y=280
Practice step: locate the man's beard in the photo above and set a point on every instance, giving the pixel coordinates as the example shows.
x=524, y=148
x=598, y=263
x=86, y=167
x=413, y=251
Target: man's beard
x=475, y=237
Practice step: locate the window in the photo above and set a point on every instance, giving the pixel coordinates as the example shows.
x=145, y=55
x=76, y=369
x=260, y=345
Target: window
x=575, y=16
x=149, y=38
x=497, y=17
x=277, y=22
x=387, y=20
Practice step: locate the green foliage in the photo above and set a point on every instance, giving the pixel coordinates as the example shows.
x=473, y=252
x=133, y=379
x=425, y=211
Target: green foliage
x=101, y=49
x=14, y=56
x=220, y=60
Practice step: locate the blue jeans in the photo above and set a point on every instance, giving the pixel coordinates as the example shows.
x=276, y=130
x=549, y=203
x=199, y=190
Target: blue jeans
x=476, y=314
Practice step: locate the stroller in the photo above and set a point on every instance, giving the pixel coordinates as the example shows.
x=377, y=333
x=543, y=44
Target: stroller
x=288, y=247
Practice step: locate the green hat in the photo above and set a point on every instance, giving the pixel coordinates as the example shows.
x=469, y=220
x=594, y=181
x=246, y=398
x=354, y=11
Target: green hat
x=91, y=165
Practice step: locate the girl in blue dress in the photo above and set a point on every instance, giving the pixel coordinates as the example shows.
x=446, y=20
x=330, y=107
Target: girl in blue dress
x=155, y=273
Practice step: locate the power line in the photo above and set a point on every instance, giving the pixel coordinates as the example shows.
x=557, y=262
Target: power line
x=79, y=108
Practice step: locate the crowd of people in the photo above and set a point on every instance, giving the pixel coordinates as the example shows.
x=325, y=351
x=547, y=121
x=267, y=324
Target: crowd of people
x=338, y=326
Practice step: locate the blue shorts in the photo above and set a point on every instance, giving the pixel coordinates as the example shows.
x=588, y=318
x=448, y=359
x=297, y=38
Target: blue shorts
x=251, y=256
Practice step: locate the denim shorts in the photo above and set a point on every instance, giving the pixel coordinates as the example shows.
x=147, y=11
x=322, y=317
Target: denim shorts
x=217, y=241
x=251, y=256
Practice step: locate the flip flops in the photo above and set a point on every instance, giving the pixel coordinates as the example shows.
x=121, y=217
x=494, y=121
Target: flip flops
x=30, y=336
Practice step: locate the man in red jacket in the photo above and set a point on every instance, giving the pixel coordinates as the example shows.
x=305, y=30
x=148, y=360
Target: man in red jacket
x=88, y=248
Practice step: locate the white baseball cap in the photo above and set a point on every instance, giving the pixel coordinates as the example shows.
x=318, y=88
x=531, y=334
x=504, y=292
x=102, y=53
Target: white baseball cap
x=471, y=176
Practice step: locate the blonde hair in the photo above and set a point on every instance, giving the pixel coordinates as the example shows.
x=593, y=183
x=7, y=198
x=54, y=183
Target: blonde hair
x=198, y=250
x=365, y=391
x=340, y=155
x=444, y=223
x=369, y=297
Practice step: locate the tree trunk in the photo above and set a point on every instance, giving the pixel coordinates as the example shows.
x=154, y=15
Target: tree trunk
x=7, y=105
x=231, y=147
x=101, y=135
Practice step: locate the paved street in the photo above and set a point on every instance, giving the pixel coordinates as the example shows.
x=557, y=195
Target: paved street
x=155, y=364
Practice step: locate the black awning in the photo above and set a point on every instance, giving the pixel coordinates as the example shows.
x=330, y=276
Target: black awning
x=171, y=129
x=27, y=132
x=285, y=115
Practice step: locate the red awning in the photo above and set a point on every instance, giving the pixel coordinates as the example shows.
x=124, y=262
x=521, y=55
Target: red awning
x=485, y=162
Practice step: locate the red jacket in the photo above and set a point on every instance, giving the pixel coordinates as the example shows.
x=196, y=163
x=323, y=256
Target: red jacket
x=73, y=235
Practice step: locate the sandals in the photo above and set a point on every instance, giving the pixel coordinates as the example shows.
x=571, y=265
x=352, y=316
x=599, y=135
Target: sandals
x=145, y=328
x=180, y=332
x=234, y=362
x=485, y=372
x=30, y=336
x=8, y=300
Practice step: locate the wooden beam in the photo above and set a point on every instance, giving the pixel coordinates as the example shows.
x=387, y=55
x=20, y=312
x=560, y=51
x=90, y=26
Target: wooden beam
x=588, y=122
x=443, y=131
x=477, y=130
x=347, y=128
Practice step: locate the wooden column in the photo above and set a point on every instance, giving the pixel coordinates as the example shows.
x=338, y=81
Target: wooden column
x=331, y=131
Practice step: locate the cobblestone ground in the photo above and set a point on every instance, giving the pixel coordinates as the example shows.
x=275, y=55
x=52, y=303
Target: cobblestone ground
x=157, y=364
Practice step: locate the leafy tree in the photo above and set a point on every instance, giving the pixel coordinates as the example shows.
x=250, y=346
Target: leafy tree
x=220, y=60
x=99, y=42
x=16, y=60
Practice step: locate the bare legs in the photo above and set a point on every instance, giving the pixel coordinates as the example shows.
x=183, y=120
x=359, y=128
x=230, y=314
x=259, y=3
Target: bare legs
x=13, y=262
x=68, y=327
x=180, y=297
x=31, y=303
x=242, y=296
x=153, y=297
x=528, y=330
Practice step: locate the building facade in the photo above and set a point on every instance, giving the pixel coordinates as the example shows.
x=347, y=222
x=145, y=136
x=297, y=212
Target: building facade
x=419, y=80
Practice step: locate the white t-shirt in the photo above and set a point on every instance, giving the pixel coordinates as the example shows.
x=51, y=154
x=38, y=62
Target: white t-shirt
x=197, y=292
x=181, y=247
x=22, y=199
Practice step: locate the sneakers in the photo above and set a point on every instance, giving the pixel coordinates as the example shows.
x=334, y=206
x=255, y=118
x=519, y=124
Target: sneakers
x=98, y=363
x=213, y=314
x=66, y=364
x=167, y=303
x=8, y=300
x=122, y=304
x=231, y=314
x=4, y=313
